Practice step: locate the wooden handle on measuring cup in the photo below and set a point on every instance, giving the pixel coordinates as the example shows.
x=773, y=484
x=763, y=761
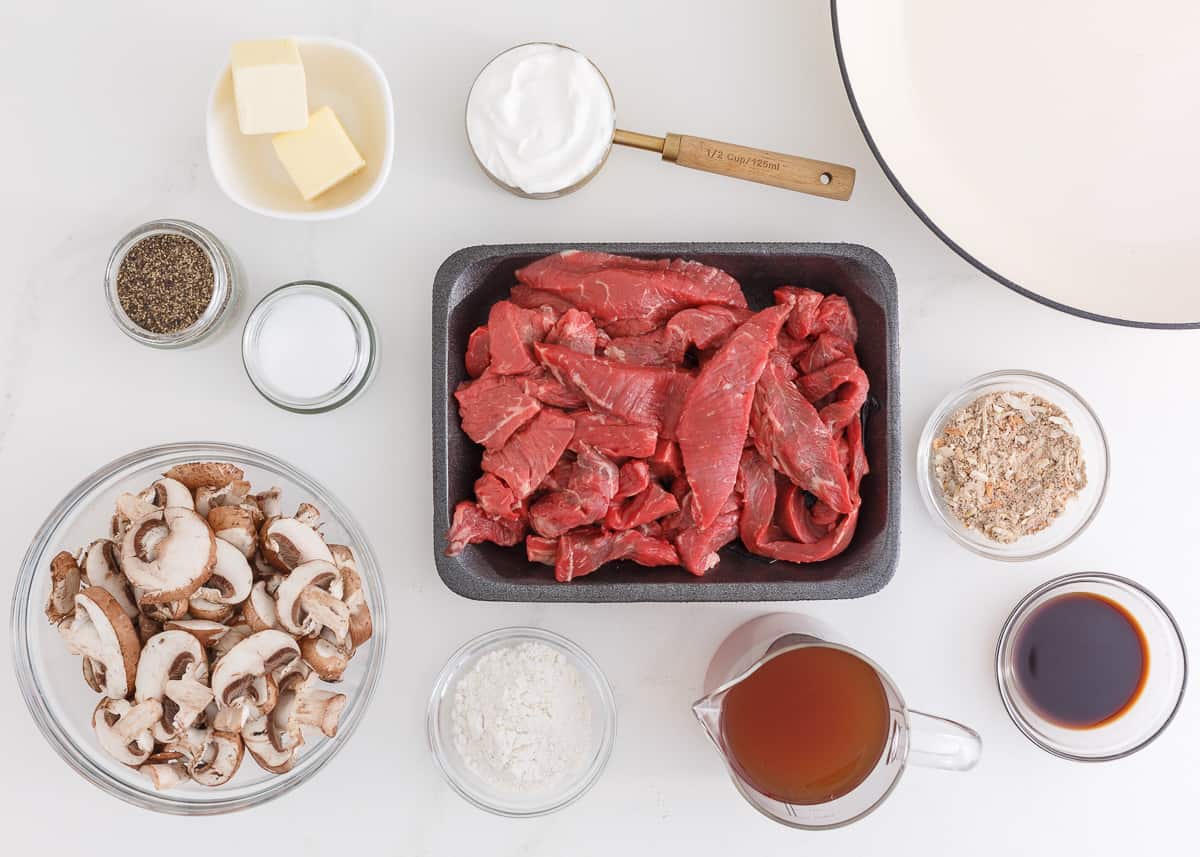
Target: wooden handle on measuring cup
x=790, y=172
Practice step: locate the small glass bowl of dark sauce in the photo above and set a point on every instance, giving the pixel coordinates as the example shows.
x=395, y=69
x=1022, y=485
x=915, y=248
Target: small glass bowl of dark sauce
x=1091, y=666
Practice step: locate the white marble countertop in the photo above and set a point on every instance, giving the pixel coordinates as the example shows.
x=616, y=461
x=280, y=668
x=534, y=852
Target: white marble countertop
x=103, y=108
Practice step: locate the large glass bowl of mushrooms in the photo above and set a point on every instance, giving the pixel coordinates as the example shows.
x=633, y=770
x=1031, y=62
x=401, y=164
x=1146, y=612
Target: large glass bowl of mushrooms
x=198, y=627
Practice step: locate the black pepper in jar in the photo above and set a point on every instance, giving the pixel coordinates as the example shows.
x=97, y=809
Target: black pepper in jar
x=165, y=283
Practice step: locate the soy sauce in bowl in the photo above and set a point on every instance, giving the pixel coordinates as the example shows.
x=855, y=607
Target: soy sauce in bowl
x=1081, y=660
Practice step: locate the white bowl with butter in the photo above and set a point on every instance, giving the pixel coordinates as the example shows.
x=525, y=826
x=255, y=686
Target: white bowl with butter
x=247, y=168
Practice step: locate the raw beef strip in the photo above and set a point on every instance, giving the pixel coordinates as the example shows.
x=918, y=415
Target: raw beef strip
x=667, y=462
x=583, y=551
x=641, y=395
x=650, y=505
x=794, y=515
x=716, y=413
x=558, y=476
x=511, y=330
x=524, y=296
x=700, y=327
x=613, y=436
x=550, y=391
x=756, y=525
x=825, y=349
x=538, y=549
x=471, y=526
x=805, y=303
x=633, y=478
x=478, y=353
x=575, y=330
x=789, y=433
x=494, y=407
x=835, y=316
x=530, y=454
x=614, y=288
x=495, y=498
x=698, y=547
x=586, y=497
x=848, y=380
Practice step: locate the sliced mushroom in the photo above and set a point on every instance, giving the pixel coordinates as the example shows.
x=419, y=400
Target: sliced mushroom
x=168, y=553
x=125, y=730
x=257, y=737
x=102, y=568
x=219, y=759
x=260, y=699
x=93, y=674
x=328, y=659
x=355, y=599
x=310, y=598
x=173, y=669
x=231, y=577
x=308, y=514
x=210, y=611
x=204, y=630
x=100, y=631
x=302, y=704
x=236, y=525
x=258, y=655
x=258, y=611
x=64, y=586
x=164, y=775
x=288, y=542
x=268, y=503
x=130, y=507
x=230, y=494
x=205, y=474
x=146, y=627
x=228, y=640
x=168, y=493
x=164, y=612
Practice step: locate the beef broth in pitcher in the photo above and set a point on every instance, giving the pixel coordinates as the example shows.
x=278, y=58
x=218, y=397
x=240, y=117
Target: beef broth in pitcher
x=807, y=726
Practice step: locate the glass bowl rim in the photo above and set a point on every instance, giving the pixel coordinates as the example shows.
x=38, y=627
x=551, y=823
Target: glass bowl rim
x=1062, y=582
x=489, y=640
x=926, y=486
x=47, y=721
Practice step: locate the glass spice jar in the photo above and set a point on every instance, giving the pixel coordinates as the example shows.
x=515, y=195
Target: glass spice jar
x=225, y=284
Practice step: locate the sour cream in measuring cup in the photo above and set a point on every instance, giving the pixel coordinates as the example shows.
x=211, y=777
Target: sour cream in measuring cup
x=540, y=119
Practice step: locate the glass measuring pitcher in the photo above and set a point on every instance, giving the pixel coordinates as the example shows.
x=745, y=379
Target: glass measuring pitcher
x=911, y=736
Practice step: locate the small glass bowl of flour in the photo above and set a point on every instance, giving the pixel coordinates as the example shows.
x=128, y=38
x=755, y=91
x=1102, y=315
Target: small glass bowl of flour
x=521, y=722
x=309, y=347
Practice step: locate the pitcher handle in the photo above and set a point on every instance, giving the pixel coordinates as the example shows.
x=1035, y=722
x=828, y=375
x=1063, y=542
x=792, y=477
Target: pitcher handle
x=935, y=742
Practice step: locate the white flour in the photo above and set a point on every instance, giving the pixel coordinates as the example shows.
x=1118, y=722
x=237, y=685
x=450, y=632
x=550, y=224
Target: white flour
x=521, y=717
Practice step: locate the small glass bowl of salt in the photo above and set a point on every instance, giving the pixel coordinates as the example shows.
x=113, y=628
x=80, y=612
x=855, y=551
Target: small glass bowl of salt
x=521, y=722
x=309, y=347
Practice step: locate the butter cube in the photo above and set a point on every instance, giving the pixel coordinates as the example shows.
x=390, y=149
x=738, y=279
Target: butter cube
x=320, y=156
x=269, y=87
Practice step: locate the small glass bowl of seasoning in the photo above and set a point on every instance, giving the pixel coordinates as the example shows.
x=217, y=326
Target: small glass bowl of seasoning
x=1091, y=666
x=309, y=347
x=170, y=283
x=1013, y=465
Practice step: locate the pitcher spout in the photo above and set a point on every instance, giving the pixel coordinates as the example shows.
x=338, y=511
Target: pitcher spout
x=708, y=712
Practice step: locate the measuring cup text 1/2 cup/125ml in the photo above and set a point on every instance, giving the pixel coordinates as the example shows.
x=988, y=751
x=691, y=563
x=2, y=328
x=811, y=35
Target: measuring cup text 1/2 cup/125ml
x=815, y=735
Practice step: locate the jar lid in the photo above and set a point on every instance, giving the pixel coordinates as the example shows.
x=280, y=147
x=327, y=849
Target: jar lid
x=309, y=347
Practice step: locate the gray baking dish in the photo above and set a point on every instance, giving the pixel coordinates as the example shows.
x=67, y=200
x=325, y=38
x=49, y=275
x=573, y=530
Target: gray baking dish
x=471, y=280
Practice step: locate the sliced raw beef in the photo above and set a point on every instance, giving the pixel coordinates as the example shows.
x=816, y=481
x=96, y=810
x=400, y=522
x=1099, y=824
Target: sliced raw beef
x=667, y=461
x=471, y=526
x=494, y=407
x=531, y=453
x=584, y=500
x=650, y=505
x=540, y=550
x=583, y=551
x=530, y=298
x=613, y=436
x=826, y=349
x=633, y=478
x=511, y=330
x=790, y=434
x=835, y=316
x=805, y=303
x=698, y=546
x=548, y=390
x=757, y=526
x=649, y=349
x=615, y=288
x=495, y=498
x=847, y=380
x=794, y=515
x=701, y=327
x=478, y=352
x=716, y=413
x=575, y=330
x=640, y=395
